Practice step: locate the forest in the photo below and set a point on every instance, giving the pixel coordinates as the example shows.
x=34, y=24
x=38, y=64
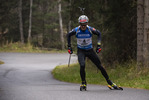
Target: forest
x=45, y=23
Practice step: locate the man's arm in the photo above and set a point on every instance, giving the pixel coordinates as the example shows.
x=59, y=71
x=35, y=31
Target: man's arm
x=71, y=33
x=98, y=33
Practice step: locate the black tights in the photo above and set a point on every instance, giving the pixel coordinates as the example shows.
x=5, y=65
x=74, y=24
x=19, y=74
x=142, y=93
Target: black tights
x=82, y=54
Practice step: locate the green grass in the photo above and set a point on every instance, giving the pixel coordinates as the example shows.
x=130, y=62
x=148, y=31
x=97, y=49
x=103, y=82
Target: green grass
x=26, y=48
x=125, y=75
x=1, y=62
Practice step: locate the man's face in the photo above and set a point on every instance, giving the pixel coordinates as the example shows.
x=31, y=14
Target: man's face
x=83, y=26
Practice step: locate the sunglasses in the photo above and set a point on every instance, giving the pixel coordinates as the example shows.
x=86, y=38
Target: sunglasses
x=83, y=24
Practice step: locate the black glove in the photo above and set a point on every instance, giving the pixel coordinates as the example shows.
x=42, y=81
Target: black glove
x=70, y=50
x=98, y=49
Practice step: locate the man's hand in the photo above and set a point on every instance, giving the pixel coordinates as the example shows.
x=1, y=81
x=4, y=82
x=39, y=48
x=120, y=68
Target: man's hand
x=98, y=49
x=70, y=50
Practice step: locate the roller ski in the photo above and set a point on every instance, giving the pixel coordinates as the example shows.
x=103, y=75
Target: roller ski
x=114, y=87
x=83, y=87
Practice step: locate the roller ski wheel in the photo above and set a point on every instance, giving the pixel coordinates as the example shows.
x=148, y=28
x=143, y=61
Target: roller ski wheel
x=83, y=87
x=115, y=87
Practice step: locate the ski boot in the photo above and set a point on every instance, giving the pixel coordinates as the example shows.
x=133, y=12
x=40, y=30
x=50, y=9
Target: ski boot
x=83, y=87
x=113, y=86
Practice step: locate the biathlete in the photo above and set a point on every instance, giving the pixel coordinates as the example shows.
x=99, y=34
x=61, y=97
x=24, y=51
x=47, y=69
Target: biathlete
x=85, y=49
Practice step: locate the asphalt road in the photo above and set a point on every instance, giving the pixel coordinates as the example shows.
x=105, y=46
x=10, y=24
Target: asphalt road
x=27, y=76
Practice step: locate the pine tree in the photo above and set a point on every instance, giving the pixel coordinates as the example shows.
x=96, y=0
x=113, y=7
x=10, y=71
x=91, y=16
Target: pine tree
x=61, y=24
x=30, y=22
x=143, y=33
x=20, y=21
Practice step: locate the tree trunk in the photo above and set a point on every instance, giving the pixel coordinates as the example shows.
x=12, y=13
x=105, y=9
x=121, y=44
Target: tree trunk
x=30, y=22
x=146, y=34
x=20, y=21
x=143, y=33
x=61, y=25
x=70, y=22
x=140, y=31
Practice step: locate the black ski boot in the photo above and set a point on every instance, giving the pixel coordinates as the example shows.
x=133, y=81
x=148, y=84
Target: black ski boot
x=113, y=86
x=83, y=86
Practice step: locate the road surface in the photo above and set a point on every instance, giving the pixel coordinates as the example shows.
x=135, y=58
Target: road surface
x=27, y=76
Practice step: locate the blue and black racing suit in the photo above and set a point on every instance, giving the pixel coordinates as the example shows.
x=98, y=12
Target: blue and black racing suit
x=85, y=49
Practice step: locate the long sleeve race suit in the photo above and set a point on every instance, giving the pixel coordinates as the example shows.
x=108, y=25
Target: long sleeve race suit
x=84, y=38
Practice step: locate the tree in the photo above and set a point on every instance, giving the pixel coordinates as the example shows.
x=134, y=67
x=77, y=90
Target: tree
x=146, y=33
x=20, y=21
x=140, y=31
x=61, y=24
x=143, y=33
x=69, y=24
x=30, y=22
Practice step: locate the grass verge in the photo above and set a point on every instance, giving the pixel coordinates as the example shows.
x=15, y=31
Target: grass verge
x=1, y=62
x=26, y=48
x=126, y=75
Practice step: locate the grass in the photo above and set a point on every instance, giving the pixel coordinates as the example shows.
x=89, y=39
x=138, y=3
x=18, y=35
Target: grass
x=1, y=62
x=25, y=48
x=125, y=75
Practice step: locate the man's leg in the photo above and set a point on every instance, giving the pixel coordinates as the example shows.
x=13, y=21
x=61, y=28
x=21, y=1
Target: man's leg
x=81, y=59
x=95, y=59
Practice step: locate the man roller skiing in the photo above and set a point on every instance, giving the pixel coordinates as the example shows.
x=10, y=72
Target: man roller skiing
x=85, y=49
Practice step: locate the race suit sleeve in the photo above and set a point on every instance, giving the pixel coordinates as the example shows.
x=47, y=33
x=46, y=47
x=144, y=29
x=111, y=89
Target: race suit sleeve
x=71, y=33
x=98, y=33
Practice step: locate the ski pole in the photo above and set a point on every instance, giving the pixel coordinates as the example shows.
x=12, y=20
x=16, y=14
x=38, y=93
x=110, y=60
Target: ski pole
x=69, y=60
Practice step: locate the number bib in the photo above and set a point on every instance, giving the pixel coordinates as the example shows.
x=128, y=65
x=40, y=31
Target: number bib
x=84, y=39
